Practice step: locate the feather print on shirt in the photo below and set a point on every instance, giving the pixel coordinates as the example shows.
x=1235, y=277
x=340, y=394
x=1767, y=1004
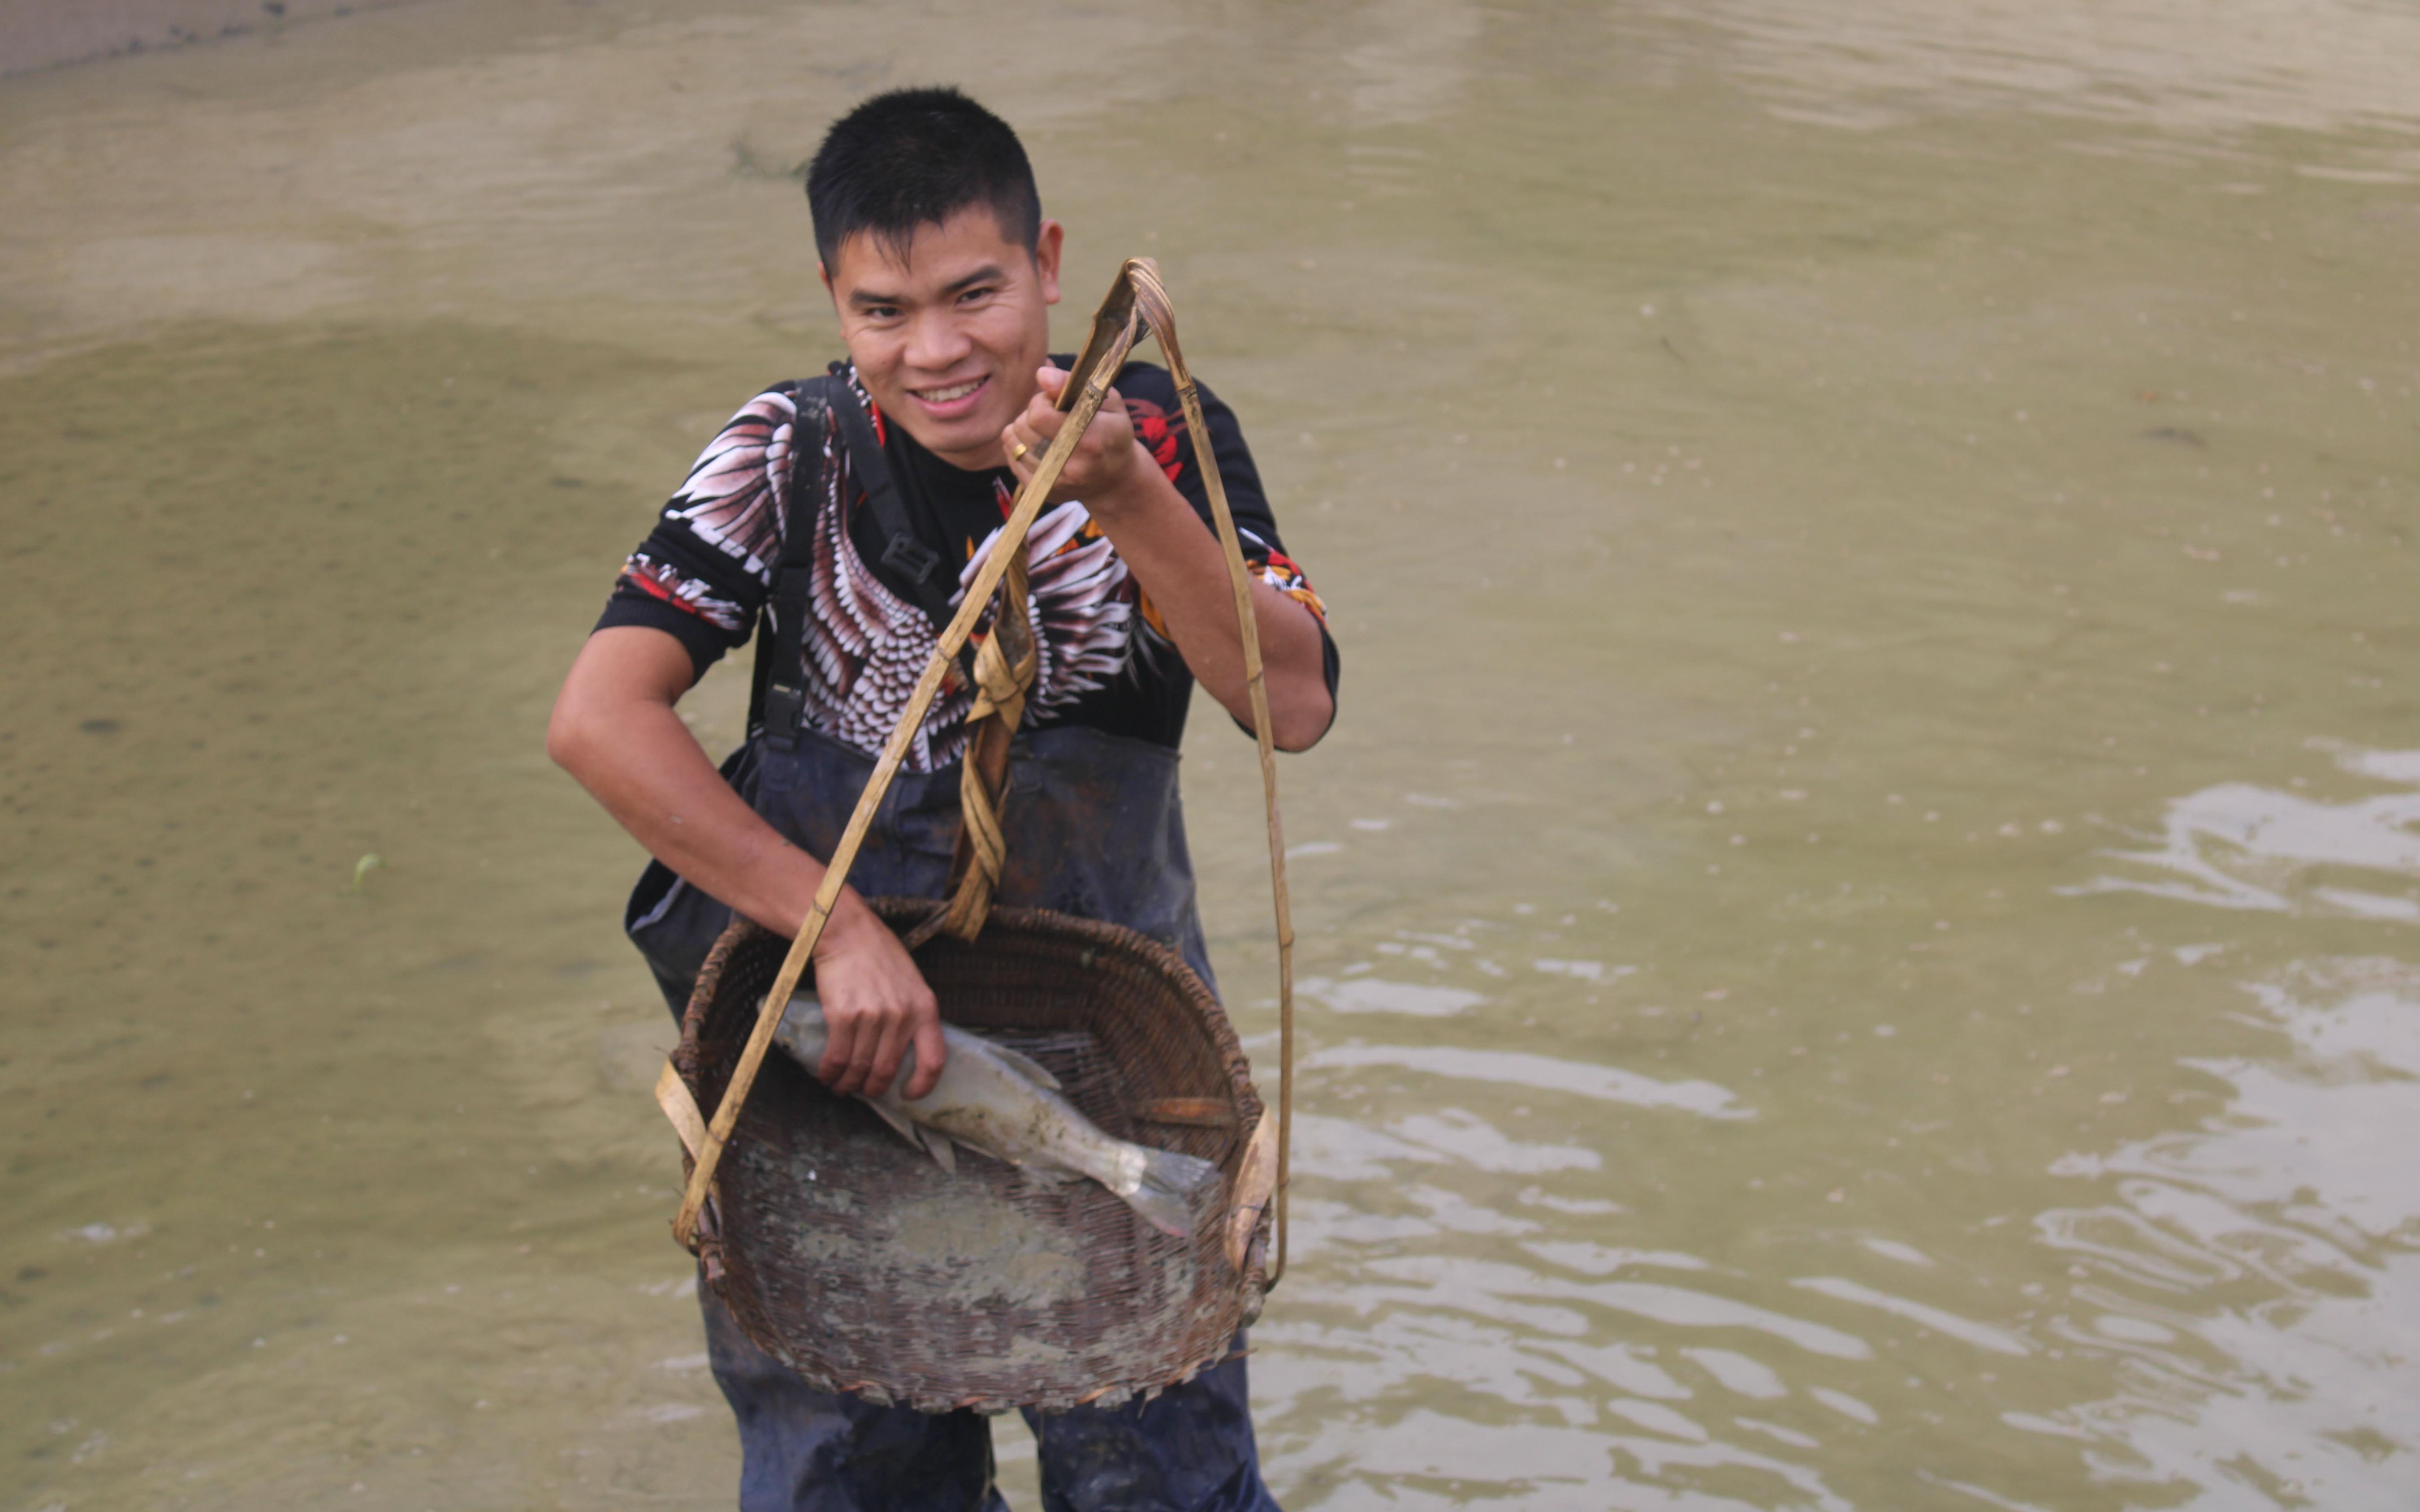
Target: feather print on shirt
x=736, y=494
x=1079, y=599
x=865, y=647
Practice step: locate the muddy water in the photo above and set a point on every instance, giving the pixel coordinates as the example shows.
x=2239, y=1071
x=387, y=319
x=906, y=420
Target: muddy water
x=1858, y=925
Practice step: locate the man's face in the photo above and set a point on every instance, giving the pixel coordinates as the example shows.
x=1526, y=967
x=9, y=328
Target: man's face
x=947, y=338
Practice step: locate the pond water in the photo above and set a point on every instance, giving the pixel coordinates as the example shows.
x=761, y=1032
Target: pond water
x=1858, y=922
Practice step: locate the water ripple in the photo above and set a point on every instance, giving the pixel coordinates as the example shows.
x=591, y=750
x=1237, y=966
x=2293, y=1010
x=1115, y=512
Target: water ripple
x=2242, y=846
x=2334, y=65
x=1982, y=1336
x=1545, y=1074
x=2257, y=1276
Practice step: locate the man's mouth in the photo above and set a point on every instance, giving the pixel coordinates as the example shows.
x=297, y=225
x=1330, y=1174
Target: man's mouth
x=950, y=398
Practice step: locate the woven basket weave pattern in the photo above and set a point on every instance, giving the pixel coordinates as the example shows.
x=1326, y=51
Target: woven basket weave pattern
x=855, y=1259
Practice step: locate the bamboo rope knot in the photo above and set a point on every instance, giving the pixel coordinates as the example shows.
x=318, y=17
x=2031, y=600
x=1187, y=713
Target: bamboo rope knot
x=1005, y=667
x=1002, y=685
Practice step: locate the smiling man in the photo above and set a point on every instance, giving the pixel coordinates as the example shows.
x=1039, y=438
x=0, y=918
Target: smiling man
x=834, y=519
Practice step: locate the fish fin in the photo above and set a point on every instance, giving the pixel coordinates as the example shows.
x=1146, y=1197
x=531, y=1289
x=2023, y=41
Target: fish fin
x=1026, y=1066
x=897, y=1120
x=1170, y=1183
x=943, y=1152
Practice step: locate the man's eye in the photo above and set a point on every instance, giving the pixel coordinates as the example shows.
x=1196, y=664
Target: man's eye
x=975, y=295
x=882, y=312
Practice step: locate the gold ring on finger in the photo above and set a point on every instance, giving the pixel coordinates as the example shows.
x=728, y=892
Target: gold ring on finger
x=1018, y=453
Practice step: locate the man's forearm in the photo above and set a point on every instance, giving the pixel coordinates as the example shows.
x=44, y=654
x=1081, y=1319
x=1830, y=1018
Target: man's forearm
x=658, y=783
x=633, y=754
x=1182, y=568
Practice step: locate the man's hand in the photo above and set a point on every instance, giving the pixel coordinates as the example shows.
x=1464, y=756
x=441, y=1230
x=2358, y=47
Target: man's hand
x=1108, y=461
x=875, y=1005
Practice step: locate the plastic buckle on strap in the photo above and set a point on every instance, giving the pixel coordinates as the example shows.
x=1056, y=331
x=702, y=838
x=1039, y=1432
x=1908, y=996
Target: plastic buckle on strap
x=911, y=556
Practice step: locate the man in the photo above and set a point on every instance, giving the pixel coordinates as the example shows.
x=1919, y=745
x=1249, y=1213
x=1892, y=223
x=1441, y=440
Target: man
x=847, y=512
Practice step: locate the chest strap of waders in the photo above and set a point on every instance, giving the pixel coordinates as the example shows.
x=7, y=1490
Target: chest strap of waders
x=780, y=696
x=903, y=551
x=780, y=645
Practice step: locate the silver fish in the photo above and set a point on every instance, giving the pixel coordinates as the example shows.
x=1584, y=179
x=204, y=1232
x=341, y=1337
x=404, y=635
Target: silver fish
x=1000, y=1104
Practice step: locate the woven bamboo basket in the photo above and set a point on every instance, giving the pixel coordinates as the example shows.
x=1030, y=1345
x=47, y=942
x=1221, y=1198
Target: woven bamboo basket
x=856, y=1261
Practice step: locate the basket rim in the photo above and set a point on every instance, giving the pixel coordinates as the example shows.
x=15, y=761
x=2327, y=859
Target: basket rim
x=897, y=912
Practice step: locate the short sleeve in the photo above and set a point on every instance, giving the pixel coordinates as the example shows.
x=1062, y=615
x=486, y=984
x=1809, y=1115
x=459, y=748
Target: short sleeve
x=702, y=573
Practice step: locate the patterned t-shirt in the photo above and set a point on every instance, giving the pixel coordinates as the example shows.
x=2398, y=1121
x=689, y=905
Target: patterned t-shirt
x=705, y=573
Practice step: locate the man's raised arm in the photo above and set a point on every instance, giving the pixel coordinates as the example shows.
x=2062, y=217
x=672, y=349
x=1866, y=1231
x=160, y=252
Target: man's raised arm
x=1182, y=568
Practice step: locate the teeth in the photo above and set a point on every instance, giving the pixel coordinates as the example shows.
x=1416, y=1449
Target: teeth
x=949, y=395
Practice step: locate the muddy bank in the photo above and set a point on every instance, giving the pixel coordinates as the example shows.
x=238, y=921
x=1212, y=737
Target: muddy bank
x=42, y=34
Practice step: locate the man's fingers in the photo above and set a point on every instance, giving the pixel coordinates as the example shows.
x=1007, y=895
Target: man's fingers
x=884, y=1063
x=931, y=1053
x=874, y=1002
x=1099, y=455
x=1030, y=435
x=839, y=1048
x=1041, y=421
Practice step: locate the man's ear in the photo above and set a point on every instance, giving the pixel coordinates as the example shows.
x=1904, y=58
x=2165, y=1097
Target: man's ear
x=1047, y=245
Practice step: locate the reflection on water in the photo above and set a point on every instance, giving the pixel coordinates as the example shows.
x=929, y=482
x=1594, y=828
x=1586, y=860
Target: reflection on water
x=2247, y=1283
x=2257, y=1277
x=1836, y=971
x=1545, y=1074
x=2238, y=845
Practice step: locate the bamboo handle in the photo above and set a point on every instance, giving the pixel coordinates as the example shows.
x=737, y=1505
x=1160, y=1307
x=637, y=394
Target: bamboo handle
x=1152, y=309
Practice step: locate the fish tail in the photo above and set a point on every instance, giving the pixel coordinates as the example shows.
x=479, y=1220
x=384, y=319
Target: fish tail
x=1171, y=1183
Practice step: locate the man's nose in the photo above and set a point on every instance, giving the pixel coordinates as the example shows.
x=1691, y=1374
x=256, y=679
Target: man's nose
x=935, y=342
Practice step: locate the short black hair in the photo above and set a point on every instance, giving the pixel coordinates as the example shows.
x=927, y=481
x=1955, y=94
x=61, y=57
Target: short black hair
x=916, y=157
